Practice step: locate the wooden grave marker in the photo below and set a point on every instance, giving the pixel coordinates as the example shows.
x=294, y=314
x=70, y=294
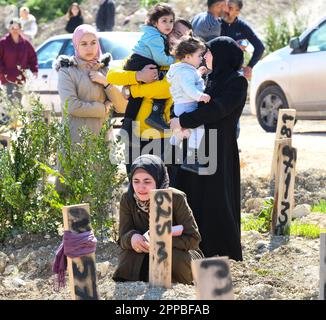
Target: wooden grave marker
x=82, y=270
x=212, y=278
x=284, y=130
x=160, y=229
x=284, y=189
x=322, y=271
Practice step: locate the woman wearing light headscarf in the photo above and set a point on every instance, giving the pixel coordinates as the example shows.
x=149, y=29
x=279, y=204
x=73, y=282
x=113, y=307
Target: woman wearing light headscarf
x=82, y=83
x=148, y=172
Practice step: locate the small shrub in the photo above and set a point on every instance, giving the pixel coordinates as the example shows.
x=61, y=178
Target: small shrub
x=262, y=222
x=310, y=231
x=320, y=207
x=280, y=30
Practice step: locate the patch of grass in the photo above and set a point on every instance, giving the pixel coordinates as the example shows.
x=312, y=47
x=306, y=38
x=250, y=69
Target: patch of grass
x=262, y=272
x=310, y=231
x=262, y=221
x=320, y=207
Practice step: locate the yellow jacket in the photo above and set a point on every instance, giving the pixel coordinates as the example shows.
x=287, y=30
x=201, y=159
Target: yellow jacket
x=149, y=91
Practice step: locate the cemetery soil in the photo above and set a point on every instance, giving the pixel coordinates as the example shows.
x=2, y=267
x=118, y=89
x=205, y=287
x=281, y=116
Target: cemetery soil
x=273, y=267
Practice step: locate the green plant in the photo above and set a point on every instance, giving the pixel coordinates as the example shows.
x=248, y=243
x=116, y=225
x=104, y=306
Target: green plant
x=88, y=174
x=261, y=222
x=148, y=3
x=320, y=206
x=280, y=30
x=28, y=203
x=305, y=230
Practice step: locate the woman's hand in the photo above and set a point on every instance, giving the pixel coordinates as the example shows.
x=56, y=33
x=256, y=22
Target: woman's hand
x=175, y=124
x=139, y=243
x=148, y=74
x=98, y=77
x=107, y=105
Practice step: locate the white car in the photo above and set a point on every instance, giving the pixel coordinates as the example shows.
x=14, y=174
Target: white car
x=119, y=44
x=292, y=77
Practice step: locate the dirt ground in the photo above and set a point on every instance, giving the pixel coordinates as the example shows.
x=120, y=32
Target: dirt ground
x=273, y=267
x=257, y=146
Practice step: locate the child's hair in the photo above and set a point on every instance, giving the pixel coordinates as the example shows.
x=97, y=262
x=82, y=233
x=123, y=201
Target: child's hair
x=158, y=11
x=188, y=45
x=69, y=12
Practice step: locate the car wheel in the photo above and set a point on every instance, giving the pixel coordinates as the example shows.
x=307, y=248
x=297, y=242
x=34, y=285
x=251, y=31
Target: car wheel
x=269, y=101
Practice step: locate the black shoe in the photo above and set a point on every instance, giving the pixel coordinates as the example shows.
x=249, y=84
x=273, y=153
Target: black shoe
x=127, y=135
x=195, y=168
x=155, y=119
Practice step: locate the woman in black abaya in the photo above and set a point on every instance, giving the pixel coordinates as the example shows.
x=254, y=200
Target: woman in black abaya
x=215, y=198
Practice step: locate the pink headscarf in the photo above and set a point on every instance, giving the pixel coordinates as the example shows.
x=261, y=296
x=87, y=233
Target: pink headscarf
x=79, y=32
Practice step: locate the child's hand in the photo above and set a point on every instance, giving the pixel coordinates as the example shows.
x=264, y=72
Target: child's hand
x=205, y=98
x=126, y=92
x=202, y=70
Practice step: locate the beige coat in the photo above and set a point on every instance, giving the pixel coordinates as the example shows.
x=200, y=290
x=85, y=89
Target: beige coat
x=184, y=248
x=85, y=98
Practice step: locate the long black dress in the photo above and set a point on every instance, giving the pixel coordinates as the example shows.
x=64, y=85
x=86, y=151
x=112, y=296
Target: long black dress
x=215, y=198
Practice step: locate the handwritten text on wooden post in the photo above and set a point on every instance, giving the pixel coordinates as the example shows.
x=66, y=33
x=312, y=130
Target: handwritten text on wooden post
x=82, y=270
x=212, y=279
x=160, y=228
x=284, y=190
x=284, y=130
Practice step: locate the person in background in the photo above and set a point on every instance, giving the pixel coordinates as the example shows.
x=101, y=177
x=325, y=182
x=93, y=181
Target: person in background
x=28, y=23
x=237, y=29
x=105, y=17
x=207, y=25
x=16, y=56
x=148, y=172
x=75, y=17
x=240, y=31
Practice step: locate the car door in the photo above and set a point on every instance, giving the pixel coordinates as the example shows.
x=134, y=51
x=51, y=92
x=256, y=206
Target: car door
x=308, y=75
x=43, y=85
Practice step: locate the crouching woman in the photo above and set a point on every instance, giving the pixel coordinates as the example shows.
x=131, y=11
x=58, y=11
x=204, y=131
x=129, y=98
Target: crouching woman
x=148, y=172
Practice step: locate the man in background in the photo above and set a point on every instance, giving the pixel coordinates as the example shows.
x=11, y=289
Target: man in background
x=239, y=30
x=207, y=25
x=105, y=16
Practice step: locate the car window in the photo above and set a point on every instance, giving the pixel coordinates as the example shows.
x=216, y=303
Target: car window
x=69, y=49
x=119, y=48
x=317, y=40
x=48, y=53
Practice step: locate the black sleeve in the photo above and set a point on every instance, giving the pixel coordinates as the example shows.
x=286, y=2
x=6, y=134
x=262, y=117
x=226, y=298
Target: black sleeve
x=256, y=43
x=220, y=106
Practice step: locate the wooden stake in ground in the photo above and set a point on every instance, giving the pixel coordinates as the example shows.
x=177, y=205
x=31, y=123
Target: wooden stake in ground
x=284, y=189
x=82, y=270
x=284, y=130
x=322, y=277
x=212, y=278
x=160, y=230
